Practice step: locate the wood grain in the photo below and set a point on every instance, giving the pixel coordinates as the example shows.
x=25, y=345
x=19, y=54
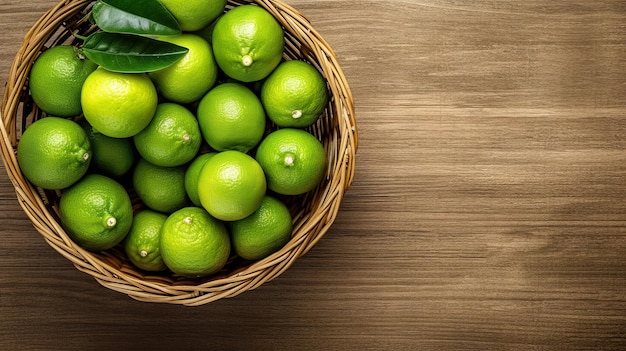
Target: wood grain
x=487, y=212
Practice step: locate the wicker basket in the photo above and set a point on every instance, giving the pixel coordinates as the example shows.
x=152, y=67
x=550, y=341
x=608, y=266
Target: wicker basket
x=313, y=212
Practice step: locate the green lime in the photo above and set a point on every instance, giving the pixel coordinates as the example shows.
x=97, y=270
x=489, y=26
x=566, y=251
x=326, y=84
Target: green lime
x=294, y=95
x=54, y=153
x=111, y=156
x=293, y=160
x=118, y=105
x=231, y=185
x=142, y=244
x=248, y=43
x=56, y=80
x=192, y=176
x=160, y=188
x=231, y=117
x=263, y=232
x=194, y=15
x=207, y=32
x=172, y=138
x=192, y=76
x=96, y=212
x=193, y=243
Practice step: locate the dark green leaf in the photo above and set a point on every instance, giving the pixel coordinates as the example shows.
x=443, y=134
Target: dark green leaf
x=148, y=17
x=130, y=53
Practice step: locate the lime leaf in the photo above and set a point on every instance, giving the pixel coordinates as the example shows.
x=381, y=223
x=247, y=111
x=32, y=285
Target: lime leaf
x=129, y=53
x=148, y=17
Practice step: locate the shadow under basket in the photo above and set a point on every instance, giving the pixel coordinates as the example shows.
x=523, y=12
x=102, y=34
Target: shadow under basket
x=313, y=213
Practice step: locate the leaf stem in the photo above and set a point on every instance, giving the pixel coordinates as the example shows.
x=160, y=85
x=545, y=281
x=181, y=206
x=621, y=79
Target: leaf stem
x=81, y=37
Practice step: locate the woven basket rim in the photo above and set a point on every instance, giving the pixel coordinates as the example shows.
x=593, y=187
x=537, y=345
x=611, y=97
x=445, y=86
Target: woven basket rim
x=104, y=267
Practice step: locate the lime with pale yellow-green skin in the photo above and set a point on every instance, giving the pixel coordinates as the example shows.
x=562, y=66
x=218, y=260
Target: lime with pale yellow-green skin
x=231, y=117
x=248, y=43
x=193, y=243
x=231, y=185
x=118, y=105
x=142, y=243
x=110, y=156
x=192, y=176
x=160, y=188
x=172, y=138
x=293, y=160
x=54, y=153
x=56, y=80
x=96, y=212
x=189, y=78
x=262, y=233
x=193, y=15
x=294, y=94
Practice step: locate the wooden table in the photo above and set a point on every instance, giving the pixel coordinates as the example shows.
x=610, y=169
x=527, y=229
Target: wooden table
x=487, y=212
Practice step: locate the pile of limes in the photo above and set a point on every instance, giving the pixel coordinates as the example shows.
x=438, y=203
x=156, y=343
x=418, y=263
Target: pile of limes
x=209, y=145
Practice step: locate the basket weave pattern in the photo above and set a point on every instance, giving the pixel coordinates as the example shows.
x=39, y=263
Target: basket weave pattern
x=313, y=213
